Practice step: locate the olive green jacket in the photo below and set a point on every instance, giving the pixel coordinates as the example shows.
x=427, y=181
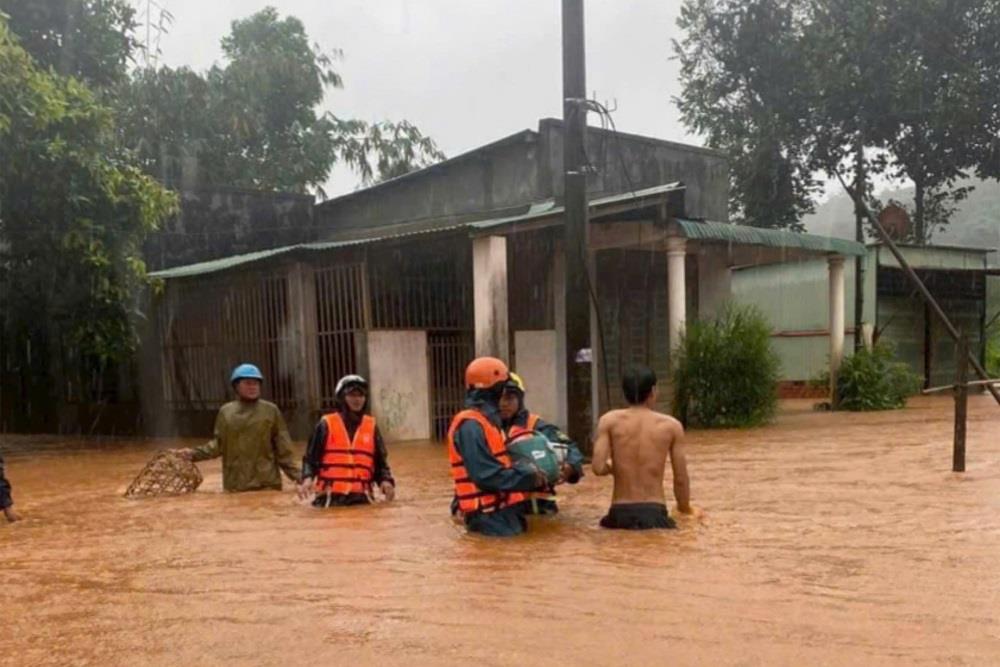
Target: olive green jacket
x=254, y=444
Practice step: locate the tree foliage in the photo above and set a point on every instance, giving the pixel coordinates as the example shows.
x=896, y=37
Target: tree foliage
x=253, y=121
x=740, y=69
x=911, y=88
x=91, y=40
x=73, y=214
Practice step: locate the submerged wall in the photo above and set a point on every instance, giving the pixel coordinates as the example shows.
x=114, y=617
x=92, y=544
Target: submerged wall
x=400, y=384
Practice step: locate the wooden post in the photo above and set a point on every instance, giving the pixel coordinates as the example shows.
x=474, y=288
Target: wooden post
x=961, y=403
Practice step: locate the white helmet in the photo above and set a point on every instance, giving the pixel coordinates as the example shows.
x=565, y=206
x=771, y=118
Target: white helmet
x=350, y=381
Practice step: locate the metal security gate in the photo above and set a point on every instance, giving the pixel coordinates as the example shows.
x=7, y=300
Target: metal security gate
x=208, y=328
x=450, y=352
x=341, y=312
x=428, y=287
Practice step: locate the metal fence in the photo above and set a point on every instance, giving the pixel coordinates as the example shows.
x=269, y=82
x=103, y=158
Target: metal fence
x=341, y=312
x=209, y=327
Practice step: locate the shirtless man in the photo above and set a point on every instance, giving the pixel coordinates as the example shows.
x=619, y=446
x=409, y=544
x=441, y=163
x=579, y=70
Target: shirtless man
x=633, y=444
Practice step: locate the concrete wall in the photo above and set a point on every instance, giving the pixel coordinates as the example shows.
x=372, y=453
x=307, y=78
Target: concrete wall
x=218, y=222
x=503, y=174
x=795, y=299
x=497, y=178
x=400, y=384
x=714, y=280
x=649, y=162
x=537, y=362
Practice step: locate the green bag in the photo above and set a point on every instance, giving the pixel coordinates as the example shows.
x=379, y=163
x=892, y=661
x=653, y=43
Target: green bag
x=536, y=448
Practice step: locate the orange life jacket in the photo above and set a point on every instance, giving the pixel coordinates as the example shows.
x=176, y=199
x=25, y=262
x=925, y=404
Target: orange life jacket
x=528, y=427
x=470, y=497
x=347, y=466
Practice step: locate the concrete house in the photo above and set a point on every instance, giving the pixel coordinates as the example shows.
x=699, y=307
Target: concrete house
x=414, y=276
x=794, y=299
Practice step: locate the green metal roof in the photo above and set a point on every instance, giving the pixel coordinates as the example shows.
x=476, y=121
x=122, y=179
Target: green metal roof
x=225, y=263
x=692, y=229
x=549, y=209
x=772, y=238
x=538, y=210
x=233, y=261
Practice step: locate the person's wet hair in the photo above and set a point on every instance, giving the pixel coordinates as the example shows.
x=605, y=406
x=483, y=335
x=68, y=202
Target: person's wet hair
x=637, y=384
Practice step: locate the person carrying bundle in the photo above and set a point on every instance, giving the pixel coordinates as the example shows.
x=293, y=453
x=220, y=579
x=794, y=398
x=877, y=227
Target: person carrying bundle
x=490, y=488
x=518, y=421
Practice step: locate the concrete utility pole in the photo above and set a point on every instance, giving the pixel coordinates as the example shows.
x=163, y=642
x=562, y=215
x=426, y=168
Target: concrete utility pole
x=575, y=231
x=859, y=236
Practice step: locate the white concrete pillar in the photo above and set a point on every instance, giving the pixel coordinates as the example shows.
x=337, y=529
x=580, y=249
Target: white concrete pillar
x=676, y=288
x=489, y=287
x=836, y=269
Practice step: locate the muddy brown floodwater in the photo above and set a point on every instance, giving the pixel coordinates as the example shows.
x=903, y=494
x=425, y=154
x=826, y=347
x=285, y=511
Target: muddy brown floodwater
x=827, y=539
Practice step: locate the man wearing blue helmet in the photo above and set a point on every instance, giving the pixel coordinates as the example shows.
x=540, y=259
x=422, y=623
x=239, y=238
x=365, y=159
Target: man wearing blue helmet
x=250, y=436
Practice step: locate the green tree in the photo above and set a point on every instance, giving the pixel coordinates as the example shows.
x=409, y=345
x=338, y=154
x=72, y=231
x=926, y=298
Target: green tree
x=73, y=215
x=384, y=150
x=744, y=90
x=254, y=121
x=936, y=111
x=92, y=40
x=907, y=89
x=166, y=121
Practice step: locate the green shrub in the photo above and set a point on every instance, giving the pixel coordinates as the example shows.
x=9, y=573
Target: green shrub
x=871, y=379
x=993, y=351
x=726, y=373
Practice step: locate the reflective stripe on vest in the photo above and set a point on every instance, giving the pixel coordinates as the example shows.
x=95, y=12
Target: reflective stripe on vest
x=347, y=466
x=470, y=497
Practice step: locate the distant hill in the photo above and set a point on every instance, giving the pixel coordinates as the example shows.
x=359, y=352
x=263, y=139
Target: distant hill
x=976, y=223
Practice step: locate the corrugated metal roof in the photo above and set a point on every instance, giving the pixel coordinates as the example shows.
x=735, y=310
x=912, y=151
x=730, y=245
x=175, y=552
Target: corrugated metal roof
x=549, y=208
x=692, y=229
x=773, y=238
x=226, y=263
x=535, y=211
x=220, y=264
x=936, y=257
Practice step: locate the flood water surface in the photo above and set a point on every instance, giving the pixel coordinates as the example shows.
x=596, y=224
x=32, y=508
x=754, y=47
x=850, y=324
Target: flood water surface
x=826, y=539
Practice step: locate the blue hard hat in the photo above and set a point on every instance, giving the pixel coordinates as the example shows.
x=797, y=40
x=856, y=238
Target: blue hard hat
x=246, y=372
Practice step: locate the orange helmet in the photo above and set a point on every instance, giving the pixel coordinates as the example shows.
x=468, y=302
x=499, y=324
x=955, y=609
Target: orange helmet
x=485, y=372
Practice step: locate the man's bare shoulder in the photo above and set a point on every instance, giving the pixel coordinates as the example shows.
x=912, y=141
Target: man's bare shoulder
x=667, y=422
x=611, y=417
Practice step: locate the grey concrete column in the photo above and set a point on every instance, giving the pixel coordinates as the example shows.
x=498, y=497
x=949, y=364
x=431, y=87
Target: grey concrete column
x=836, y=270
x=596, y=346
x=301, y=358
x=489, y=274
x=677, y=288
x=559, y=305
x=714, y=280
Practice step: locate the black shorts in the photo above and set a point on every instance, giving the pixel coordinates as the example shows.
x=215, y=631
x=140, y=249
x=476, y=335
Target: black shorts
x=638, y=516
x=340, y=499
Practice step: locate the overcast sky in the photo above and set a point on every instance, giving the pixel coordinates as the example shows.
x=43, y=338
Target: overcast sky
x=466, y=72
